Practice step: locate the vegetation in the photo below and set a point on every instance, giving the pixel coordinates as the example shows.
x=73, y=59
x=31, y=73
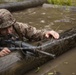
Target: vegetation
x=62, y=2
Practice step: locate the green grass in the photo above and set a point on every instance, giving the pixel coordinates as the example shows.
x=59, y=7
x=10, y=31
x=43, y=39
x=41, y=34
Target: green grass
x=62, y=2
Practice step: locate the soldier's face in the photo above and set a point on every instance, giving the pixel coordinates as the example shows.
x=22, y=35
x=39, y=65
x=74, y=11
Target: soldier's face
x=6, y=31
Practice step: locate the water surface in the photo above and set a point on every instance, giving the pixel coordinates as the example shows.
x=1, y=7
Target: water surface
x=59, y=20
x=48, y=18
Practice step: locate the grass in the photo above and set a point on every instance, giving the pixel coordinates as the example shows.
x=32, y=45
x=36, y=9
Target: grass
x=62, y=2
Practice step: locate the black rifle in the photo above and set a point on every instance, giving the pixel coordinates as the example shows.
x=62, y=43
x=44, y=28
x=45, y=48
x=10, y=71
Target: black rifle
x=17, y=45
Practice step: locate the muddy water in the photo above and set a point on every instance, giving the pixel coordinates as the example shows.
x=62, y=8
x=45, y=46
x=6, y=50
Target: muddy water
x=43, y=18
x=63, y=65
x=59, y=20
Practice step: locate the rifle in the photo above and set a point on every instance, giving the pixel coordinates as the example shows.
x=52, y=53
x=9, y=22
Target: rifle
x=27, y=47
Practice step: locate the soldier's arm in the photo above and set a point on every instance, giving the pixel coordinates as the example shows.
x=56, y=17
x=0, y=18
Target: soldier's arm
x=32, y=33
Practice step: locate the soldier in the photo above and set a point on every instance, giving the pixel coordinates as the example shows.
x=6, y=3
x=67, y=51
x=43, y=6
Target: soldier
x=8, y=25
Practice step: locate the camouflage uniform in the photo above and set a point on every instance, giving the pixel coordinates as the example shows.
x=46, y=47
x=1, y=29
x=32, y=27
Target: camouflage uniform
x=22, y=29
x=28, y=31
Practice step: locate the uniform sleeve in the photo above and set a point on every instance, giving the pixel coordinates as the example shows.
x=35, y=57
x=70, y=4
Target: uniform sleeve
x=31, y=32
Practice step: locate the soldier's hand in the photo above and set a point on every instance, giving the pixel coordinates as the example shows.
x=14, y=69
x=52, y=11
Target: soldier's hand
x=52, y=33
x=4, y=51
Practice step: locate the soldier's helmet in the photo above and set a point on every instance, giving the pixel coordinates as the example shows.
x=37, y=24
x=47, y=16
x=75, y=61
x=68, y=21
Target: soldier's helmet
x=6, y=18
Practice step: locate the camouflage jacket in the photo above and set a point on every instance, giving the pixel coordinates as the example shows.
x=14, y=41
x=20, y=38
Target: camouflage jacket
x=23, y=31
x=29, y=32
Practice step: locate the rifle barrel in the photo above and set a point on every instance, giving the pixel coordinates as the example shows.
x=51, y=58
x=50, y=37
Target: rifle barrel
x=16, y=48
x=46, y=53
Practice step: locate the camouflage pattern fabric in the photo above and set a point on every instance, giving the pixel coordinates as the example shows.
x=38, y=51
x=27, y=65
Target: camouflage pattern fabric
x=22, y=29
x=29, y=32
x=6, y=18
